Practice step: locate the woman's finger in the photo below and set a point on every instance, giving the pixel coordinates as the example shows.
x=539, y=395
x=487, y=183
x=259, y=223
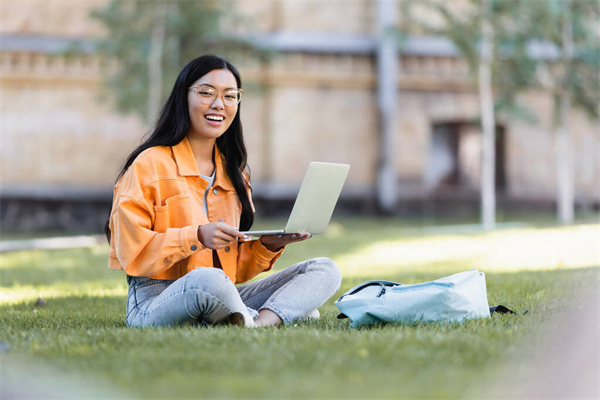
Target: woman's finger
x=300, y=235
x=293, y=238
x=223, y=238
x=231, y=231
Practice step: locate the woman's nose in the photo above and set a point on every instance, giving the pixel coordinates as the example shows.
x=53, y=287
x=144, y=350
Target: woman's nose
x=218, y=103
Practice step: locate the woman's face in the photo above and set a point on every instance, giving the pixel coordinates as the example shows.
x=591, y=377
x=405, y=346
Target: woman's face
x=211, y=118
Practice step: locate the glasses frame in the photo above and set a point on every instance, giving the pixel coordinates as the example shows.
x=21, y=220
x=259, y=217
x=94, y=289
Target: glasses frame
x=218, y=94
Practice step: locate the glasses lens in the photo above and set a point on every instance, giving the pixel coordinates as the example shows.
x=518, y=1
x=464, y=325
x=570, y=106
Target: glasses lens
x=207, y=94
x=232, y=97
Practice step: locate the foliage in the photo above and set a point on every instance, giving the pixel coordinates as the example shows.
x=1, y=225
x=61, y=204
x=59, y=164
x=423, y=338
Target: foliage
x=78, y=346
x=192, y=28
x=513, y=69
x=519, y=26
x=580, y=74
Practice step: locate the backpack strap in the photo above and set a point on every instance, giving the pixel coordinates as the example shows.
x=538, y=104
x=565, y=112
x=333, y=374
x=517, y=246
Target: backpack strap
x=500, y=309
x=363, y=285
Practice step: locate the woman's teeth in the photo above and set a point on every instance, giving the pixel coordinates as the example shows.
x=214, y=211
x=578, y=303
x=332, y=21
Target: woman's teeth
x=214, y=118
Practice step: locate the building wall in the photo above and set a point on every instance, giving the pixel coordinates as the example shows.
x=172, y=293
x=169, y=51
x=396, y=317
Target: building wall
x=299, y=107
x=347, y=17
x=55, y=130
x=532, y=152
x=50, y=17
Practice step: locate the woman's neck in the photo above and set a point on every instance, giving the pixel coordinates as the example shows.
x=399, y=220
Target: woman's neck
x=203, y=154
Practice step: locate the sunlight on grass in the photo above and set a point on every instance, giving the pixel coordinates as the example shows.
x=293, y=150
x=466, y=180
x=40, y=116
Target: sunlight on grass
x=35, y=258
x=28, y=293
x=500, y=251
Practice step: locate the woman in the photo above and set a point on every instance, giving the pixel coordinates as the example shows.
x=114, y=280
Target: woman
x=179, y=205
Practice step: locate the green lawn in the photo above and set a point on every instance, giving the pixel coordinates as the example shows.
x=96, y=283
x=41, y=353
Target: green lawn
x=77, y=345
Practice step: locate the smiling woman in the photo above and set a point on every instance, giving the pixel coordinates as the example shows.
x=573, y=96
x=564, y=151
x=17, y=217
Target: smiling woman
x=213, y=104
x=178, y=208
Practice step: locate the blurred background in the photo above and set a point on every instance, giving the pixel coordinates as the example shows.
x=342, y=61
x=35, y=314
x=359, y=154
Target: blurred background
x=443, y=108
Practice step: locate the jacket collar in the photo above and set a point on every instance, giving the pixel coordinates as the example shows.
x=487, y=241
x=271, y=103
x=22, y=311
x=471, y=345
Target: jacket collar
x=186, y=163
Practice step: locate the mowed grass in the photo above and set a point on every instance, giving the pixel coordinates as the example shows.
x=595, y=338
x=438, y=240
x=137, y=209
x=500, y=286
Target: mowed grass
x=78, y=346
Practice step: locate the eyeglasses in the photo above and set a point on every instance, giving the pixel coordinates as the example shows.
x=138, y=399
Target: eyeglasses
x=208, y=95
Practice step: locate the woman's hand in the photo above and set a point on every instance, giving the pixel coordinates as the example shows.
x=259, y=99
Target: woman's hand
x=217, y=235
x=277, y=242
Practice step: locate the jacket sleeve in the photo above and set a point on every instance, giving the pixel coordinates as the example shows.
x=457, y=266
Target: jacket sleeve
x=140, y=250
x=254, y=258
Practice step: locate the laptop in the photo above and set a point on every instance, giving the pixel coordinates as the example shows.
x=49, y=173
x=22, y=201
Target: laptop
x=316, y=200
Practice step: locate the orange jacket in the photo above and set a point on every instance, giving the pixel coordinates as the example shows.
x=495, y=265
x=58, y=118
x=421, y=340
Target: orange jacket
x=157, y=208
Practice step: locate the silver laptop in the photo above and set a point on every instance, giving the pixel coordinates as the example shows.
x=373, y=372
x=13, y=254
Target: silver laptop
x=316, y=200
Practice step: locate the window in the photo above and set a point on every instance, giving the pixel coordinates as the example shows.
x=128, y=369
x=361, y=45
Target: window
x=454, y=162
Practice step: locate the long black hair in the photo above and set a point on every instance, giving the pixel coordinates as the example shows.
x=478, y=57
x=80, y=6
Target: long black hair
x=174, y=124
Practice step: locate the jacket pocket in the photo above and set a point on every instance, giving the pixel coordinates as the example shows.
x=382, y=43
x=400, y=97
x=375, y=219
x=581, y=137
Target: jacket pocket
x=229, y=208
x=176, y=213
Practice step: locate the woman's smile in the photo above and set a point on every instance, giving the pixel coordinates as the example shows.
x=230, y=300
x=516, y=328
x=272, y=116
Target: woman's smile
x=214, y=119
x=211, y=119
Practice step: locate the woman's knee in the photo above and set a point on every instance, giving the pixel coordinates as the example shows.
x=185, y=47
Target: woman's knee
x=332, y=273
x=209, y=294
x=212, y=280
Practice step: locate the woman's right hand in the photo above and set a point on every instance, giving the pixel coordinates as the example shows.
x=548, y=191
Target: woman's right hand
x=217, y=235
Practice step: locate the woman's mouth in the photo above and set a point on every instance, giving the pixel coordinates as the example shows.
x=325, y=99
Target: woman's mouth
x=214, y=119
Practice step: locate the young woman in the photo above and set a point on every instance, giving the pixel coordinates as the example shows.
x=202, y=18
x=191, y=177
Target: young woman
x=179, y=205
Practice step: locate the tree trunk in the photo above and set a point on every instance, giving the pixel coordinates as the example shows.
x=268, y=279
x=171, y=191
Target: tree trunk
x=564, y=175
x=488, y=124
x=387, y=77
x=155, y=72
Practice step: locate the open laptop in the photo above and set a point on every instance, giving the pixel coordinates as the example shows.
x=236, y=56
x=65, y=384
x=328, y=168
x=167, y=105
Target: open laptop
x=316, y=200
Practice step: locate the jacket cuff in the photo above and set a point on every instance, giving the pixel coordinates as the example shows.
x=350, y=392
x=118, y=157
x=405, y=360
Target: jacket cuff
x=265, y=255
x=189, y=240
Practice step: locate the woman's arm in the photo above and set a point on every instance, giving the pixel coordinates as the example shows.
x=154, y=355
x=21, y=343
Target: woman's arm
x=142, y=251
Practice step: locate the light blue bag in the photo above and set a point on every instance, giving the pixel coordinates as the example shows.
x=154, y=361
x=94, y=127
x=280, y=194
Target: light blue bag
x=454, y=298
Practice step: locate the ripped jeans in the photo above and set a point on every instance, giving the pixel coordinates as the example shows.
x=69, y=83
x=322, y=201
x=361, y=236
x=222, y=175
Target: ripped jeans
x=207, y=296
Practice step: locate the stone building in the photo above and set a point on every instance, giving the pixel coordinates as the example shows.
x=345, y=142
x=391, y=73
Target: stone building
x=62, y=145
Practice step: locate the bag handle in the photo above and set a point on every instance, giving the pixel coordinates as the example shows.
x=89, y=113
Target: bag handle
x=360, y=287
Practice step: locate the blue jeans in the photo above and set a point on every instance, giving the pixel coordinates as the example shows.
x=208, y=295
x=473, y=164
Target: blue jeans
x=206, y=295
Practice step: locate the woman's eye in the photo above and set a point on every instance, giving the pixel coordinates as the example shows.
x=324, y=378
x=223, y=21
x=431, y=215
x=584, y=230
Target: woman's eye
x=204, y=93
x=231, y=96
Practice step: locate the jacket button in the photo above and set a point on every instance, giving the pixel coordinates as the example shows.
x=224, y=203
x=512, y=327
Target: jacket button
x=227, y=249
x=194, y=248
x=215, y=191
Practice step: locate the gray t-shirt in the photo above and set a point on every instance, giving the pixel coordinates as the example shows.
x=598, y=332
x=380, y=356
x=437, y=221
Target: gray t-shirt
x=211, y=181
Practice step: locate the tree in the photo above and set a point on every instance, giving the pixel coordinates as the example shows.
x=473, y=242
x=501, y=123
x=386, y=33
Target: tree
x=488, y=121
x=387, y=71
x=574, y=77
x=491, y=35
x=148, y=42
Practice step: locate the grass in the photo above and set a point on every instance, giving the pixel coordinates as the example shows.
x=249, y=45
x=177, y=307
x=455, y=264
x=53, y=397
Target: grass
x=77, y=345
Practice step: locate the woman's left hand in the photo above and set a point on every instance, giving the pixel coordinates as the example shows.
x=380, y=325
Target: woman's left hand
x=277, y=242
